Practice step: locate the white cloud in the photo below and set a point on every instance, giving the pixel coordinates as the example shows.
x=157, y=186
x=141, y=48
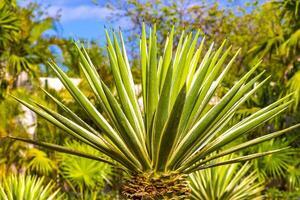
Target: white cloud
x=81, y=12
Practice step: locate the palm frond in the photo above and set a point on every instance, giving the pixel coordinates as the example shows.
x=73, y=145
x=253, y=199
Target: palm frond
x=274, y=166
x=39, y=162
x=83, y=172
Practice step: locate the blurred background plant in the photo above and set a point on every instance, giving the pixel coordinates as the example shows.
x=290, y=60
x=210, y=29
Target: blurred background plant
x=19, y=187
x=226, y=182
x=86, y=178
x=268, y=30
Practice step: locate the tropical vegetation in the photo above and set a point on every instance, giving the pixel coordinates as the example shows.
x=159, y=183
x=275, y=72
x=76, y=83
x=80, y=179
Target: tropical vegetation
x=226, y=182
x=187, y=102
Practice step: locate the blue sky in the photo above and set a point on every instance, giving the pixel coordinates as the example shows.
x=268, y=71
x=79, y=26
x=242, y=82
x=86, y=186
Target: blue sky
x=79, y=18
x=85, y=19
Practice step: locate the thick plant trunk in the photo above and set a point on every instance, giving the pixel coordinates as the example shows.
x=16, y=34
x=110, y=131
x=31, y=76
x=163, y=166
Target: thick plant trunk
x=150, y=186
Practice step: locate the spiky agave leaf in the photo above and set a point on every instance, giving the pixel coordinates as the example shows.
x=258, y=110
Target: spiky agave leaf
x=19, y=187
x=226, y=182
x=293, y=85
x=177, y=128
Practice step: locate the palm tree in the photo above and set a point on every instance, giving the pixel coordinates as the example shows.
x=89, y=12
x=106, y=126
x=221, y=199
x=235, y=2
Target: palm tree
x=282, y=44
x=23, y=46
x=176, y=129
x=9, y=26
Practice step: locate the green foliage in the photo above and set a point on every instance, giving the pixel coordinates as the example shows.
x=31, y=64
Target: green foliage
x=293, y=85
x=19, y=187
x=23, y=46
x=136, y=130
x=9, y=27
x=9, y=110
x=293, y=176
x=279, y=170
x=276, y=194
x=215, y=21
x=71, y=58
x=11, y=153
x=274, y=165
x=29, y=48
x=290, y=10
x=226, y=182
x=39, y=162
x=83, y=173
x=279, y=45
x=9, y=24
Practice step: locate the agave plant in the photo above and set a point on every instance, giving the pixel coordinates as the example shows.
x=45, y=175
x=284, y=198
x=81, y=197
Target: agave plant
x=19, y=187
x=176, y=129
x=226, y=182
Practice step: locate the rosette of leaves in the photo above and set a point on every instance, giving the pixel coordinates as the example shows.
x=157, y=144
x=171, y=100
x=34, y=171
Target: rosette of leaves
x=19, y=187
x=226, y=182
x=176, y=129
